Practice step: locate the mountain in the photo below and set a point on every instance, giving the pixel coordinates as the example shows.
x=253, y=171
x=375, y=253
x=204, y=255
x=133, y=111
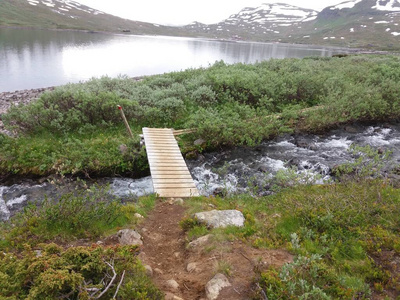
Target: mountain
x=268, y=21
x=371, y=24
x=67, y=14
x=360, y=23
x=355, y=23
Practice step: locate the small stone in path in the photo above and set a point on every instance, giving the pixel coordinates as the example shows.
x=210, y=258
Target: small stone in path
x=201, y=241
x=169, y=296
x=215, y=285
x=221, y=218
x=176, y=201
x=158, y=271
x=129, y=237
x=192, y=267
x=149, y=270
x=138, y=216
x=172, y=284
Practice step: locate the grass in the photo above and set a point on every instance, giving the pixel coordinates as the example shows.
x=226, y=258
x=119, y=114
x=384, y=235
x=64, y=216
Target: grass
x=32, y=266
x=76, y=129
x=340, y=235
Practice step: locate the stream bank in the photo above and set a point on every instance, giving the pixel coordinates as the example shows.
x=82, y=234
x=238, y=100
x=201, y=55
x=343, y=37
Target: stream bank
x=237, y=170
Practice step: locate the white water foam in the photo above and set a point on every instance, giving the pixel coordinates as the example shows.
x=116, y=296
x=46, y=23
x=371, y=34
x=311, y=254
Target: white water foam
x=126, y=187
x=4, y=211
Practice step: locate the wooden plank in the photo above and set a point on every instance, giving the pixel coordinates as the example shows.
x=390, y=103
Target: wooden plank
x=174, y=180
x=152, y=169
x=160, y=151
x=190, y=185
x=184, y=193
x=169, y=172
x=171, y=177
x=168, y=164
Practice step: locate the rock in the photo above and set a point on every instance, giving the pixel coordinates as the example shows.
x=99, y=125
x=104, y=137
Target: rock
x=191, y=155
x=177, y=254
x=350, y=129
x=215, y=285
x=172, y=284
x=306, y=144
x=219, y=191
x=176, y=201
x=158, y=271
x=192, y=267
x=149, y=270
x=123, y=149
x=38, y=253
x=199, y=142
x=221, y=218
x=201, y=241
x=262, y=168
x=170, y=296
x=141, y=256
x=138, y=216
x=129, y=237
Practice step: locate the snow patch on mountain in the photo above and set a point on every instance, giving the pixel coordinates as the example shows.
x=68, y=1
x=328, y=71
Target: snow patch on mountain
x=277, y=13
x=387, y=5
x=62, y=6
x=347, y=4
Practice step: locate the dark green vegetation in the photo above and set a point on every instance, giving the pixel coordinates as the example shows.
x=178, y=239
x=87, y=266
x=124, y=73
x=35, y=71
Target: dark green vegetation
x=19, y=13
x=77, y=129
x=49, y=252
x=344, y=237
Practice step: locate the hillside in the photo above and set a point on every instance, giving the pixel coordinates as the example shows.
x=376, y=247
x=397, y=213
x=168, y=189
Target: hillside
x=266, y=22
x=66, y=14
x=356, y=23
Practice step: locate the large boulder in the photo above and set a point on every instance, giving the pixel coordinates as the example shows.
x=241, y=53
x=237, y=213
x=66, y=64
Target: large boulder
x=221, y=218
x=129, y=237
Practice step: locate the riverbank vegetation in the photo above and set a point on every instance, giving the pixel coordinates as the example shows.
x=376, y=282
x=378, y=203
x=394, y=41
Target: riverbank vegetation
x=344, y=235
x=76, y=129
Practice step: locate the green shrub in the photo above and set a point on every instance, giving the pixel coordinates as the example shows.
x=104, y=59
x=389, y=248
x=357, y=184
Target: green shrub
x=50, y=272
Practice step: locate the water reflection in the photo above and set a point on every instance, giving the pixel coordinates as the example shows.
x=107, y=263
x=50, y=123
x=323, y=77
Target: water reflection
x=39, y=58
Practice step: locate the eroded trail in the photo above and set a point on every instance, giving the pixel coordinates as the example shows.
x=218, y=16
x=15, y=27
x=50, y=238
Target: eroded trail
x=183, y=270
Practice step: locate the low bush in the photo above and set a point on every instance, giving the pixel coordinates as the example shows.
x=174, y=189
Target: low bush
x=227, y=104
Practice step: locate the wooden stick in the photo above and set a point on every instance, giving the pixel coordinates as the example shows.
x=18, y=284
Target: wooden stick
x=125, y=121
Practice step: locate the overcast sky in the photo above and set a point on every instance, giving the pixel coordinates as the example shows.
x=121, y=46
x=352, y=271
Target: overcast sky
x=182, y=12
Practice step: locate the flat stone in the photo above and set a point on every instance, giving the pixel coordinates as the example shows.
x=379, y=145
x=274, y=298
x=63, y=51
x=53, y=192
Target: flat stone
x=221, y=218
x=201, y=241
x=158, y=271
x=215, y=285
x=192, y=268
x=172, y=284
x=129, y=237
x=138, y=216
x=149, y=270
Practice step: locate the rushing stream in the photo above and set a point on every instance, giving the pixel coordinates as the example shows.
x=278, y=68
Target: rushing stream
x=241, y=168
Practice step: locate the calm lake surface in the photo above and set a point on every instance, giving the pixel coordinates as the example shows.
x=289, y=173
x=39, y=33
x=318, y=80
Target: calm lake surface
x=42, y=58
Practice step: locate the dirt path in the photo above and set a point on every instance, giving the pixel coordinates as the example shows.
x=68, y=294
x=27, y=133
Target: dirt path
x=165, y=250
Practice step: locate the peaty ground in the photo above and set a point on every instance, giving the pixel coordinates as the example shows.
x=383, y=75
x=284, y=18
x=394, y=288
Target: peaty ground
x=166, y=251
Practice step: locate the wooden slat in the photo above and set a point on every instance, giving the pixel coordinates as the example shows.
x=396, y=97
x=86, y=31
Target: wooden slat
x=171, y=177
x=168, y=172
x=174, y=180
x=171, y=193
x=174, y=185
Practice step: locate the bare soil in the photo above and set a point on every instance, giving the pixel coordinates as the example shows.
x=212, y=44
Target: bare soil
x=165, y=250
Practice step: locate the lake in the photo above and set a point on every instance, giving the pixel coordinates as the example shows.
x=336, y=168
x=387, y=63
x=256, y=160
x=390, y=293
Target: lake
x=42, y=58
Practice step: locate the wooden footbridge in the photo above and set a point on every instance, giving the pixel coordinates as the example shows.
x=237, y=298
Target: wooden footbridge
x=170, y=175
